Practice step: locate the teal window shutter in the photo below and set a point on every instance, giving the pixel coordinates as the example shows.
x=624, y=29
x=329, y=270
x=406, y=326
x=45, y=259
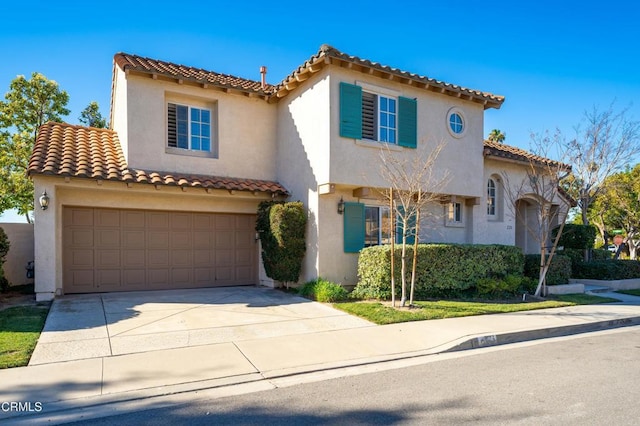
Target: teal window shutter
x=400, y=227
x=407, y=122
x=350, y=111
x=353, y=227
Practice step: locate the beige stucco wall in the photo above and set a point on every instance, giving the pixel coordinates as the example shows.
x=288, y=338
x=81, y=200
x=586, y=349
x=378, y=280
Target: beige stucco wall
x=357, y=162
x=90, y=193
x=21, y=251
x=303, y=159
x=243, y=129
x=119, y=112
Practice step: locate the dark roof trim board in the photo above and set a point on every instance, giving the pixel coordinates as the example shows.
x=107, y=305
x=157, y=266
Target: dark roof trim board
x=66, y=150
x=327, y=55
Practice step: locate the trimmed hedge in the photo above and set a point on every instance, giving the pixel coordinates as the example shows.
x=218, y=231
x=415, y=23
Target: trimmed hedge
x=281, y=227
x=576, y=236
x=4, y=249
x=559, y=271
x=608, y=270
x=577, y=255
x=442, y=270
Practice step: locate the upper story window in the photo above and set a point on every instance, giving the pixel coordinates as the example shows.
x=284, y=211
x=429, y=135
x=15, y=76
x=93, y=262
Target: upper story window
x=491, y=197
x=456, y=123
x=379, y=115
x=188, y=127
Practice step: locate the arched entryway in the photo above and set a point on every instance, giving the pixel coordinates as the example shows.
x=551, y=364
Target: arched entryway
x=531, y=224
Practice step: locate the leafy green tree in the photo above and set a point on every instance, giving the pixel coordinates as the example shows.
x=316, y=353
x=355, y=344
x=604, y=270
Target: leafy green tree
x=91, y=117
x=29, y=104
x=618, y=207
x=496, y=135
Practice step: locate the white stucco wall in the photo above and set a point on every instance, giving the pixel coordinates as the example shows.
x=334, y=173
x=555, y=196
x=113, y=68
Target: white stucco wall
x=119, y=115
x=90, y=193
x=243, y=129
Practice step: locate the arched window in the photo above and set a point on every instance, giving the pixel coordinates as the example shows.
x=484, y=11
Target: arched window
x=491, y=197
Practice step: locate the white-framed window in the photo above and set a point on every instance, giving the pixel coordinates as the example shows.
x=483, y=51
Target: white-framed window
x=456, y=123
x=492, y=195
x=379, y=117
x=377, y=226
x=188, y=127
x=454, y=214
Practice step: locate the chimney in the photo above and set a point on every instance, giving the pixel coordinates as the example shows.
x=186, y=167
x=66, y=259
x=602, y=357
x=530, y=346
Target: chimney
x=263, y=75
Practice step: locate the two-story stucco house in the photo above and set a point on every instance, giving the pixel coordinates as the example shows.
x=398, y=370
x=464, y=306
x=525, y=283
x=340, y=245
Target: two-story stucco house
x=166, y=198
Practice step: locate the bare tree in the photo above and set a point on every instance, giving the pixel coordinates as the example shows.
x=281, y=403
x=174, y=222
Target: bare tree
x=413, y=182
x=540, y=187
x=605, y=143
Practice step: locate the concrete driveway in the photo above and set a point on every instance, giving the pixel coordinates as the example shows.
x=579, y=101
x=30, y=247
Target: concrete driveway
x=110, y=324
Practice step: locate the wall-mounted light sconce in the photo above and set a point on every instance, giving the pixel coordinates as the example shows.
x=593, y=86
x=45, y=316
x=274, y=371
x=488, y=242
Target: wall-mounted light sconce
x=341, y=206
x=44, y=200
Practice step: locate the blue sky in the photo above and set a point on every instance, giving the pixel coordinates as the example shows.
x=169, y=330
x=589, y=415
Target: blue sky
x=551, y=61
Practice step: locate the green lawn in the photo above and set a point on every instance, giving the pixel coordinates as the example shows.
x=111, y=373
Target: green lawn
x=20, y=328
x=635, y=292
x=379, y=313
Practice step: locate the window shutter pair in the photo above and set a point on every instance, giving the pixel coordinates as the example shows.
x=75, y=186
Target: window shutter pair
x=353, y=111
x=354, y=227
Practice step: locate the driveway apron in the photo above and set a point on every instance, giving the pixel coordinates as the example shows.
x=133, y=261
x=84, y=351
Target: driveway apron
x=110, y=324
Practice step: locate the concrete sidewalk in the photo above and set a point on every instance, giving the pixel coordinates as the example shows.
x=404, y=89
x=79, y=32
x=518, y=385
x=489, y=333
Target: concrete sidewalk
x=103, y=380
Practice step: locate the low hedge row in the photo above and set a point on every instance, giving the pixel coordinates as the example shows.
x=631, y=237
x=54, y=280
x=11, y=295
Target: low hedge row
x=442, y=269
x=559, y=271
x=608, y=270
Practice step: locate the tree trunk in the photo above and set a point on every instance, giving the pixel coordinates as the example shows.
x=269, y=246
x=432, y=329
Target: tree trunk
x=415, y=252
x=393, y=250
x=403, y=269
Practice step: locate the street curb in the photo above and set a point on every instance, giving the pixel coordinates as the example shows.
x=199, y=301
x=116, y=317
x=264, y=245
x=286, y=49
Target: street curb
x=489, y=340
x=118, y=403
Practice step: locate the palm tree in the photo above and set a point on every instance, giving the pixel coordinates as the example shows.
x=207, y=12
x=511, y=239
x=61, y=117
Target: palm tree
x=496, y=135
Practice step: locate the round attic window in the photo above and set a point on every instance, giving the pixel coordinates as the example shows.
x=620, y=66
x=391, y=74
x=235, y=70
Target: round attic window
x=456, y=123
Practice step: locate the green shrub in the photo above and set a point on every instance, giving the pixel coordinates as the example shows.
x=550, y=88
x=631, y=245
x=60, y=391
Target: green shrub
x=500, y=287
x=4, y=249
x=576, y=236
x=608, y=270
x=559, y=271
x=281, y=227
x=323, y=291
x=443, y=270
x=601, y=254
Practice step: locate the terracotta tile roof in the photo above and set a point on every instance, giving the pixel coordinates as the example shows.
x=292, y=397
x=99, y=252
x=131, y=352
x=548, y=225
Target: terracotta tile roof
x=328, y=52
x=153, y=66
x=502, y=151
x=322, y=58
x=86, y=152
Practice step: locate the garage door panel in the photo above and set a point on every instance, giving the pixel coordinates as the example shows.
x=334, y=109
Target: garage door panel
x=158, y=258
x=134, y=258
x=158, y=277
x=79, y=237
x=78, y=217
x=107, y=237
x=157, y=220
x=107, y=258
x=181, y=239
x=158, y=239
x=108, y=279
x=122, y=250
x=133, y=219
x=107, y=218
x=181, y=220
x=134, y=239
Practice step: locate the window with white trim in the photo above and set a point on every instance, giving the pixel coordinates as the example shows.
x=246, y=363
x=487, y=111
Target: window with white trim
x=491, y=197
x=188, y=127
x=456, y=123
x=377, y=225
x=379, y=117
